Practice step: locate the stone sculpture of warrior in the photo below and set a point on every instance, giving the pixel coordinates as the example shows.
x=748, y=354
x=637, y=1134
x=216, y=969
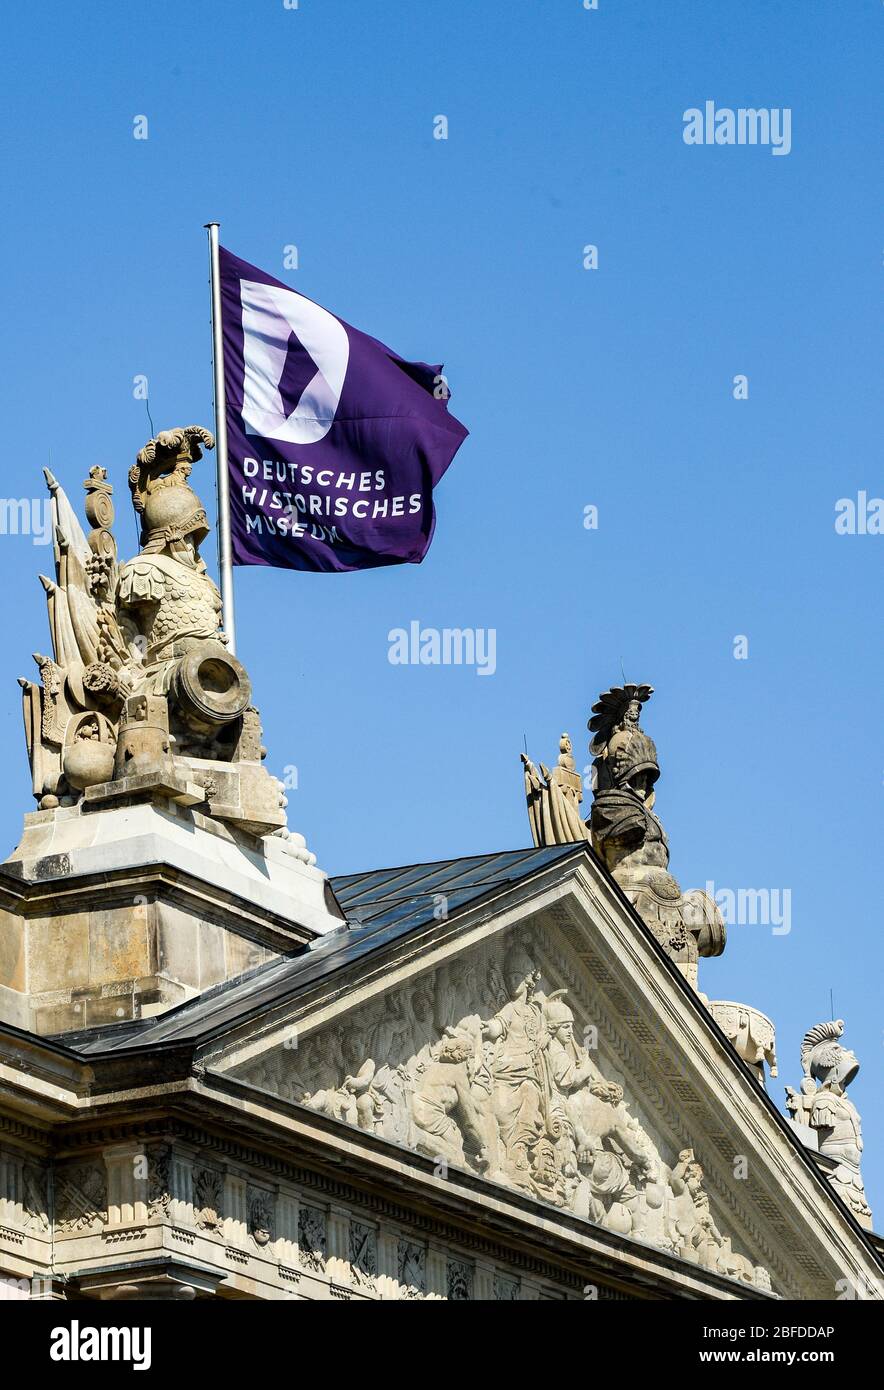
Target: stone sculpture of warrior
x=829, y=1111
x=623, y=828
x=629, y=837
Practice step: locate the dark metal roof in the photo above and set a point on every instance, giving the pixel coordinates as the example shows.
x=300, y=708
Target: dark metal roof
x=380, y=906
x=415, y=894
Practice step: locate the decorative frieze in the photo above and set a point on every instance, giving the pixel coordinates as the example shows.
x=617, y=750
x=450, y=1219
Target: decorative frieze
x=312, y=1238
x=363, y=1254
x=506, y=1287
x=179, y=1171
x=460, y=1281
x=261, y=1216
x=208, y=1198
x=81, y=1198
x=159, y=1182
x=412, y=1269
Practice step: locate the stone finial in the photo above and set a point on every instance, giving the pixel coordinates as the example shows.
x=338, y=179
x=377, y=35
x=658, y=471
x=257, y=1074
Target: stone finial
x=750, y=1032
x=823, y=1106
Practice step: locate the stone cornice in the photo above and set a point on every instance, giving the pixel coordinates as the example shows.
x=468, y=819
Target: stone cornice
x=120, y=887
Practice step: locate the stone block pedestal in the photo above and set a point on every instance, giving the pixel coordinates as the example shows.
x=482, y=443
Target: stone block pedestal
x=123, y=912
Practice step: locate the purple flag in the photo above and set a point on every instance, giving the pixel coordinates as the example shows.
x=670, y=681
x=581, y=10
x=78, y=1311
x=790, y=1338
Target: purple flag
x=335, y=442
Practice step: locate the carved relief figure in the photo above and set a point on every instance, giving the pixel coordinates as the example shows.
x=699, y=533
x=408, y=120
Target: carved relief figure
x=446, y=1115
x=610, y=1160
x=354, y=1101
x=699, y=1238
x=521, y=1093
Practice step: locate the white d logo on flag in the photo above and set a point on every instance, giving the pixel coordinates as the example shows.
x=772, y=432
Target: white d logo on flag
x=270, y=315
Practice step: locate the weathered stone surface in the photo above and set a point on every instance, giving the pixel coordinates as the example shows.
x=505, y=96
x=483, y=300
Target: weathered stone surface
x=120, y=945
x=159, y=903
x=58, y=953
x=749, y=1030
x=274, y=872
x=12, y=952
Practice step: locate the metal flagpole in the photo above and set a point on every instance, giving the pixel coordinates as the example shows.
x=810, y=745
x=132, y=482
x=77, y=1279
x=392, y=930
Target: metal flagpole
x=225, y=562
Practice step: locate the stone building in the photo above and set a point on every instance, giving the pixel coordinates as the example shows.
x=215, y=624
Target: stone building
x=225, y=1075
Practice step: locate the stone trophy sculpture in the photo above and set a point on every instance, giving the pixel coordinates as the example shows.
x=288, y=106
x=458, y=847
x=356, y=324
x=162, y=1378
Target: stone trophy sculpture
x=823, y=1105
x=623, y=829
x=749, y=1031
x=141, y=692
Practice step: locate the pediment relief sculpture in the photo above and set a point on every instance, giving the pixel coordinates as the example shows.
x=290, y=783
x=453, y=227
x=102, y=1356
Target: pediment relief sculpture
x=478, y=1065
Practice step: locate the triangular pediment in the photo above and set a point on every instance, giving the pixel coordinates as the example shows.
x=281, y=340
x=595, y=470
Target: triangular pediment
x=539, y=1041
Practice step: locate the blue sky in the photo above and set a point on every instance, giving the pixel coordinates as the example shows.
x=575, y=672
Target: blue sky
x=611, y=387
